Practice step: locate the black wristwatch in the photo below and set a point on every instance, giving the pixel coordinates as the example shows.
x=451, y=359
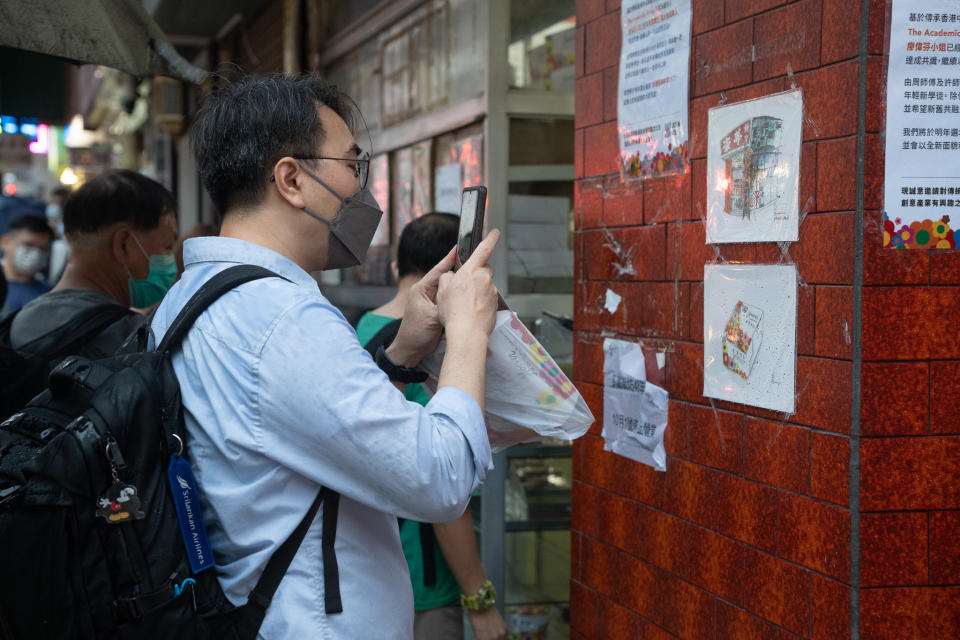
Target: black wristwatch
x=394, y=371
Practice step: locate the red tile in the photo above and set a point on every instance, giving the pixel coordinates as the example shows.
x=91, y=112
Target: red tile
x=920, y=612
x=614, y=621
x=583, y=609
x=777, y=591
x=876, y=94
x=836, y=175
x=631, y=253
x=687, y=251
x=588, y=10
x=611, y=78
x=715, y=563
x=787, y=39
x=944, y=267
x=778, y=454
x=655, y=309
x=806, y=319
x=696, y=312
x=723, y=58
x=619, y=521
x=944, y=547
x=600, y=149
x=575, y=538
x=599, y=566
x=593, y=396
x=900, y=474
x=824, y=254
x=815, y=535
x=640, y=584
x=685, y=372
x=890, y=266
x=807, y=203
x=747, y=511
x=589, y=201
x=602, y=43
x=823, y=394
x=834, y=324
x=590, y=311
x=698, y=172
x=893, y=398
x=873, y=172
x=588, y=100
x=622, y=202
x=597, y=464
x=839, y=26
x=716, y=437
x=691, y=492
x=637, y=481
x=578, y=152
x=698, y=118
x=831, y=610
x=877, y=27
x=734, y=10
x=945, y=397
x=581, y=51
x=830, y=468
x=908, y=323
x=613, y=5
x=585, y=504
x=662, y=541
x=587, y=357
x=736, y=624
x=707, y=15
x=667, y=199
x=828, y=110
x=687, y=611
x=676, y=438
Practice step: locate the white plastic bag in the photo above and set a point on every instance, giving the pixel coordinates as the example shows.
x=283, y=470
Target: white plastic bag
x=527, y=397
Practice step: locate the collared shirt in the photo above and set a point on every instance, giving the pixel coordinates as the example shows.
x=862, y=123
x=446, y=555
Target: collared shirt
x=280, y=399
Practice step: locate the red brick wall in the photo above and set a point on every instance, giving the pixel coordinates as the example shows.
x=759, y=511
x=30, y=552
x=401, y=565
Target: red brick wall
x=748, y=534
x=910, y=416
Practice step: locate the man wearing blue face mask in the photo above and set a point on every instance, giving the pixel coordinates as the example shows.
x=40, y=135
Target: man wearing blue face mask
x=122, y=230
x=26, y=249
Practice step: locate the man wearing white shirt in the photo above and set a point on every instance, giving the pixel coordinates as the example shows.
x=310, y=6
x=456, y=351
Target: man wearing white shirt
x=279, y=397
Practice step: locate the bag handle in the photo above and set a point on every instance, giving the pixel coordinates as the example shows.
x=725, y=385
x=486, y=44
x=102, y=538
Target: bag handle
x=218, y=285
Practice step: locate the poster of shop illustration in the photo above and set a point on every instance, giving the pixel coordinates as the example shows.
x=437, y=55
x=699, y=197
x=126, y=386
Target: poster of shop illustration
x=922, y=182
x=750, y=334
x=652, y=121
x=753, y=169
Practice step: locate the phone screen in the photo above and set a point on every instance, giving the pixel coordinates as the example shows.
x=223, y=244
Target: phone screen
x=468, y=212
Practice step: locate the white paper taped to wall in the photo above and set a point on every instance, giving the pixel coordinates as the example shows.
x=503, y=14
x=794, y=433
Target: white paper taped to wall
x=634, y=411
x=612, y=301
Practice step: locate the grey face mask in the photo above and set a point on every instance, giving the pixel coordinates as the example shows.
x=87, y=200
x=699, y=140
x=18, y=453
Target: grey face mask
x=352, y=229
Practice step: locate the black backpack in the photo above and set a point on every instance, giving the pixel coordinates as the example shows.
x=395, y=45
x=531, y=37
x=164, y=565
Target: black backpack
x=24, y=371
x=91, y=539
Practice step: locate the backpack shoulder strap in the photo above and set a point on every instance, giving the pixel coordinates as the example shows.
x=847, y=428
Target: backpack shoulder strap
x=218, y=285
x=71, y=335
x=386, y=335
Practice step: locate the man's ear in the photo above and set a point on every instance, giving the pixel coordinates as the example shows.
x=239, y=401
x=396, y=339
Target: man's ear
x=6, y=242
x=288, y=179
x=121, y=244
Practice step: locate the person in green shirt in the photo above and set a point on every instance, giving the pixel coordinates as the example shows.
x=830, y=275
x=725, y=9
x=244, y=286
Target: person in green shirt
x=442, y=557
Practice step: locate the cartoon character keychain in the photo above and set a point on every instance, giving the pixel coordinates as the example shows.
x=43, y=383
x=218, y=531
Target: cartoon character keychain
x=120, y=503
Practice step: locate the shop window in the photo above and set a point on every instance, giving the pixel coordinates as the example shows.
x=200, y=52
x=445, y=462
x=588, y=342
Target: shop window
x=542, y=44
x=540, y=206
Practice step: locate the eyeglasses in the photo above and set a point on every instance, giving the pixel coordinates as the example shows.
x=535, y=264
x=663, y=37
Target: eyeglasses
x=361, y=166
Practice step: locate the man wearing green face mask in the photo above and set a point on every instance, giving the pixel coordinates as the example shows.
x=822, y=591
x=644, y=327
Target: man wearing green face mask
x=122, y=229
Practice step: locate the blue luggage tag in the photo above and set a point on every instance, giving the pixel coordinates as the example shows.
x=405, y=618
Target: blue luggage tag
x=185, y=497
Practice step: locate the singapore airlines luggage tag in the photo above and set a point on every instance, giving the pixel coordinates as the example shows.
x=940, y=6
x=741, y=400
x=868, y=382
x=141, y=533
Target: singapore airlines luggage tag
x=185, y=497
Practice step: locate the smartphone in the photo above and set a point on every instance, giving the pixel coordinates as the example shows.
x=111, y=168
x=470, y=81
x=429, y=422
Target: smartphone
x=473, y=203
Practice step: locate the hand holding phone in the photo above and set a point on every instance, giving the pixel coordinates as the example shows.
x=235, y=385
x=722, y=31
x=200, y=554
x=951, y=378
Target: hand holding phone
x=473, y=204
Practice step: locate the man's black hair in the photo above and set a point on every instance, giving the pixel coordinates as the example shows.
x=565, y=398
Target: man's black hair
x=117, y=196
x=33, y=224
x=425, y=242
x=243, y=128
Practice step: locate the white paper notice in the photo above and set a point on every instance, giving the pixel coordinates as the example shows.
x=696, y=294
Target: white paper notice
x=753, y=169
x=634, y=410
x=750, y=334
x=654, y=77
x=446, y=183
x=612, y=302
x=922, y=182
